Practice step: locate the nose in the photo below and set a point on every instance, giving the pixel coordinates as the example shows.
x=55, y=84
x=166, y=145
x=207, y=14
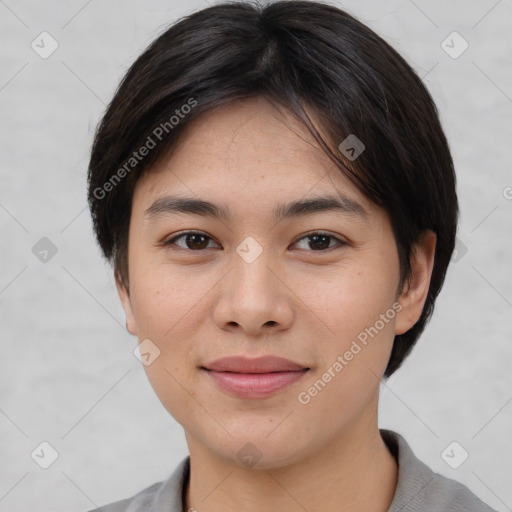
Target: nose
x=253, y=297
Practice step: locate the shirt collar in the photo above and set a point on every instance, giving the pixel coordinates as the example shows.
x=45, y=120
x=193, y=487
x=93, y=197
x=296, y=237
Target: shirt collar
x=413, y=475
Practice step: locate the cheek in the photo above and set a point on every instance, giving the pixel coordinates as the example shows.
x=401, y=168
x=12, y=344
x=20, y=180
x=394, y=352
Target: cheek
x=354, y=297
x=355, y=352
x=358, y=308
x=164, y=299
x=166, y=306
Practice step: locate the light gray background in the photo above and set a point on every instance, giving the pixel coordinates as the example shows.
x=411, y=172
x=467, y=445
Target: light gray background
x=68, y=375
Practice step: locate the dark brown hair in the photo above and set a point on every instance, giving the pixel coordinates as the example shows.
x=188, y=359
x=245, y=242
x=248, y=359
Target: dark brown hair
x=307, y=58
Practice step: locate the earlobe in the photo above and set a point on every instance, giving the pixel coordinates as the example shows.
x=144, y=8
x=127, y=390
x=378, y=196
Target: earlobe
x=415, y=290
x=124, y=296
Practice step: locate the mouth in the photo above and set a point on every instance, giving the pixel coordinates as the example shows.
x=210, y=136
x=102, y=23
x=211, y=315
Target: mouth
x=254, y=378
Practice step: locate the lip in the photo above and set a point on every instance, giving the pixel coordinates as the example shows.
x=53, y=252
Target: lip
x=254, y=378
x=263, y=364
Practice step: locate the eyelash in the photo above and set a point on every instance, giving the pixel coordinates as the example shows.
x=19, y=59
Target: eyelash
x=171, y=242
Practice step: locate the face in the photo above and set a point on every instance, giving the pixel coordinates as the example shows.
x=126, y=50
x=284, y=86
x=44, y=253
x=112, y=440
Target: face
x=315, y=285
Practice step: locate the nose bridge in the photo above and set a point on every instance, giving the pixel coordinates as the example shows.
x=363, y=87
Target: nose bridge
x=251, y=296
x=251, y=271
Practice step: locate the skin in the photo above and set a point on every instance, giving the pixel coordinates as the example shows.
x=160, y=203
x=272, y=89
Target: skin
x=201, y=301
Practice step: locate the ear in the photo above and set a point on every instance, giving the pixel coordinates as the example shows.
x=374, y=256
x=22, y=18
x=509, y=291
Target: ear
x=124, y=295
x=415, y=290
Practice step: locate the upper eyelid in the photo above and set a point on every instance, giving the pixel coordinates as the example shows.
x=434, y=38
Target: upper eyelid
x=184, y=233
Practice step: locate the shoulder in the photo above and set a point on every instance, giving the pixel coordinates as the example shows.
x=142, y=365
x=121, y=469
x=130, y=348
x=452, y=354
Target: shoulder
x=447, y=494
x=419, y=488
x=163, y=496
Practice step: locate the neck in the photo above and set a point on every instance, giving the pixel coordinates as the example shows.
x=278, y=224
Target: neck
x=356, y=472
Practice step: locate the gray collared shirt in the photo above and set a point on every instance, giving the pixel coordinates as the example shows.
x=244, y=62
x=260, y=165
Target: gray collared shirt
x=418, y=488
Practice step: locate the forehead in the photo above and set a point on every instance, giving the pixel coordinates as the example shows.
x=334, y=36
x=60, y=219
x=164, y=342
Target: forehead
x=246, y=151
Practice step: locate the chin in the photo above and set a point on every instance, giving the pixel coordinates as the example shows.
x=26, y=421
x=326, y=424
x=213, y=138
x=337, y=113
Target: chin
x=253, y=449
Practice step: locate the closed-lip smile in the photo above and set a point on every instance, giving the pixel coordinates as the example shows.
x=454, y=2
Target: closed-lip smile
x=259, y=377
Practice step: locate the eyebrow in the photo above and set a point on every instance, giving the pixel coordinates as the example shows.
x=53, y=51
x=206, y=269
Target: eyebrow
x=169, y=205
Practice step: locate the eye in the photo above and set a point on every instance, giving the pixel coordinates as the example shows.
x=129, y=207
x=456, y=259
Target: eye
x=196, y=241
x=321, y=240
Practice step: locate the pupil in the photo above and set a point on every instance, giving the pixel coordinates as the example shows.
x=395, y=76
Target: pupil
x=324, y=237
x=192, y=237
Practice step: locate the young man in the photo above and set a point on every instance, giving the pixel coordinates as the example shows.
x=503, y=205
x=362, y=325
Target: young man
x=278, y=198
